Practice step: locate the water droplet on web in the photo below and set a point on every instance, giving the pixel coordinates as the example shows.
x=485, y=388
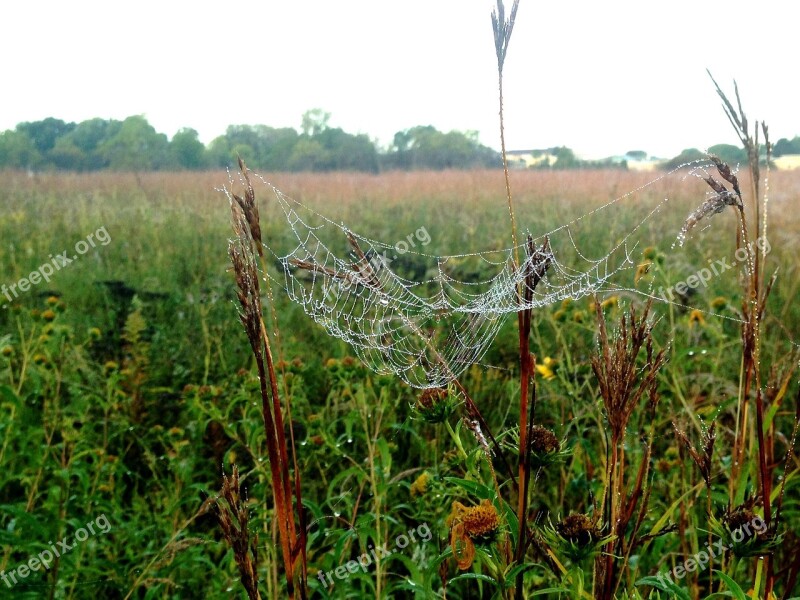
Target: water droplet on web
x=394, y=325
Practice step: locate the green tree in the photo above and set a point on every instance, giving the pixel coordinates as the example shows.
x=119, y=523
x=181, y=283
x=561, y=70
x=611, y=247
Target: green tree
x=261, y=146
x=44, y=133
x=346, y=152
x=66, y=155
x=89, y=137
x=636, y=154
x=424, y=147
x=17, y=151
x=565, y=158
x=785, y=146
x=137, y=147
x=187, y=151
x=308, y=155
x=729, y=153
x=688, y=155
x=219, y=152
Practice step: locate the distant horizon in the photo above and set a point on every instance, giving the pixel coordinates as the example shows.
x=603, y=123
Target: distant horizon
x=385, y=148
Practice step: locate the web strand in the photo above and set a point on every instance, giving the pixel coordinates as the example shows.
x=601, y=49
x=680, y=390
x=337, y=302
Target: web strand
x=428, y=330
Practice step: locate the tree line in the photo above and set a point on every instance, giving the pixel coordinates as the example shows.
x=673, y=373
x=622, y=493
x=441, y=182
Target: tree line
x=134, y=145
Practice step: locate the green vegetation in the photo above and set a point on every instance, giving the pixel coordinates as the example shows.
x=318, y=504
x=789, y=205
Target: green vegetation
x=785, y=146
x=134, y=145
x=127, y=390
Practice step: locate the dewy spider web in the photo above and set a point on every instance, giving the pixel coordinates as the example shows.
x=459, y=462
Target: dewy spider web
x=428, y=330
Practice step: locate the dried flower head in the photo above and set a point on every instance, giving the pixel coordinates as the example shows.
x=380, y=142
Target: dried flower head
x=435, y=405
x=576, y=537
x=745, y=533
x=543, y=441
x=471, y=525
x=577, y=529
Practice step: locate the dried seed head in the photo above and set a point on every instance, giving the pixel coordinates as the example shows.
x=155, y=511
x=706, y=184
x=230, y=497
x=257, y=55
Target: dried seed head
x=250, y=208
x=717, y=202
x=435, y=405
x=577, y=529
x=543, y=441
x=623, y=381
x=233, y=519
x=702, y=458
x=739, y=518
x=502, y=28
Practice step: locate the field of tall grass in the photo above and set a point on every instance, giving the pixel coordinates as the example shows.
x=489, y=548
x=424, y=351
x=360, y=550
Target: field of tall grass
x=129, y=394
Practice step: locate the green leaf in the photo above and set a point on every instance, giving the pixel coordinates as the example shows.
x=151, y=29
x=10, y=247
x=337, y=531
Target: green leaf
x=734, y=587
x=473, y=487
x=548, y=591
x=511, y=574
x=8, y=394
x=433, y=570
x=479, y=576
x=665, y=585
x=665, y=517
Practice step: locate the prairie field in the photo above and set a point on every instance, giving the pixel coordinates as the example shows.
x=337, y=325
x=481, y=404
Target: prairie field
x=129, y=391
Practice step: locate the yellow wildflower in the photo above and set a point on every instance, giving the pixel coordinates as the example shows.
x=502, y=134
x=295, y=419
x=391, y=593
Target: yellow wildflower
x=642, y=270
x=420, y=485
x=696, y=316
x=719, y=303
x=545, y=368
x=610, y=301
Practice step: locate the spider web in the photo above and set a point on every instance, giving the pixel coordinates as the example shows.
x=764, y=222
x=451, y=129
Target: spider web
x=427, y=330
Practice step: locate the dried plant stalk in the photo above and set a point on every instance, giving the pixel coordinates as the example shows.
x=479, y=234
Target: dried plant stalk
x=233, y=519
x=242, y=251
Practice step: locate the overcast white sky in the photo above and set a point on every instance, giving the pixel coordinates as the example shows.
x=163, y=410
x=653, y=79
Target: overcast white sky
x=599, y=77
